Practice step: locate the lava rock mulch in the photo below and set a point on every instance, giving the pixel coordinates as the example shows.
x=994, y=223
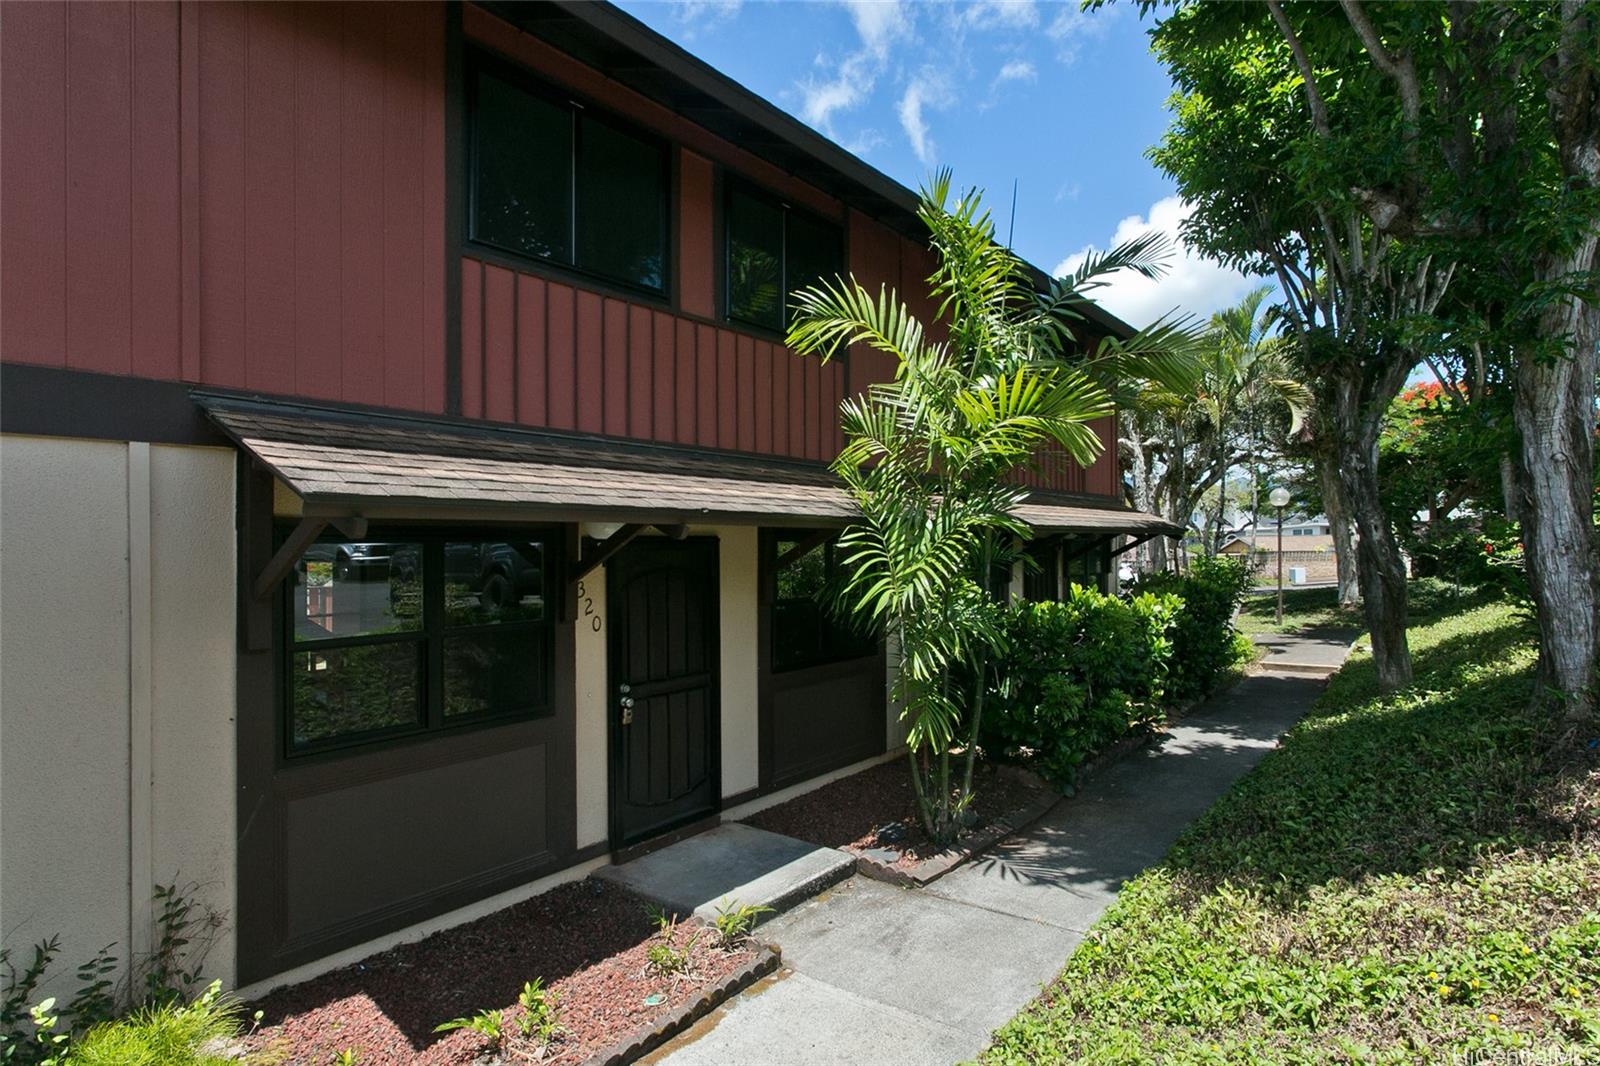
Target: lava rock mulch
x=587, y=940
x=874, y=813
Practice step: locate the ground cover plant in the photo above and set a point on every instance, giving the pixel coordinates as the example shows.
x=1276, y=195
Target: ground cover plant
x=1410, y=877
x=553, y=979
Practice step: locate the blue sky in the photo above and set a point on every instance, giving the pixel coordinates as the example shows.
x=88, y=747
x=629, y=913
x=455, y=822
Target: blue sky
x=1062, y=102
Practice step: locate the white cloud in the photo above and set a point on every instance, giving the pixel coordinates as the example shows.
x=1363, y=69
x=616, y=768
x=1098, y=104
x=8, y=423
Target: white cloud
x=1193, y=284
x=1001, y=14
x=926, y=91
x=880, y=24
x=1072, y=28
x=697, y=15
x=1016, y=70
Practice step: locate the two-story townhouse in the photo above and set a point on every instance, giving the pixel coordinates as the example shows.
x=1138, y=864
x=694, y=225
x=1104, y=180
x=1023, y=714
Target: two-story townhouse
x=406, y=498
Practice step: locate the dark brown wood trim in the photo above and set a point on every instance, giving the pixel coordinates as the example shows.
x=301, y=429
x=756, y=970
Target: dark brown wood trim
x=740, y=798
x=656, y=843
x=48, y=401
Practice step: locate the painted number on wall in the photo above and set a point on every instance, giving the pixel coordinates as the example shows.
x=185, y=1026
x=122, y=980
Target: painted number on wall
x=586, y=607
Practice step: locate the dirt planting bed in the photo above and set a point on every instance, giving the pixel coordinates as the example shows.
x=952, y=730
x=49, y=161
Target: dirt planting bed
x=874, y=812
x=589, y=941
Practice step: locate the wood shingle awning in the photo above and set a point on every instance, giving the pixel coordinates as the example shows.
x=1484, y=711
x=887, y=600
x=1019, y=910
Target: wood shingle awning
x=345, y=463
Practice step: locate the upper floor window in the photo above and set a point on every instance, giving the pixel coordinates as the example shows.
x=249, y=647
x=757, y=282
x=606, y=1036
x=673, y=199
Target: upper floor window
x=551, y=181
x=773, y=251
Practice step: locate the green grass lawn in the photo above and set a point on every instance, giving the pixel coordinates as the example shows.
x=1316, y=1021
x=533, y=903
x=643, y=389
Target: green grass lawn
x=1301, y=608
x=1409, y=878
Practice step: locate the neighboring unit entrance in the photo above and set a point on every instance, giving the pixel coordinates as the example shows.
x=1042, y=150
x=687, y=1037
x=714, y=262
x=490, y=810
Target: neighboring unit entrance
x=662, y=699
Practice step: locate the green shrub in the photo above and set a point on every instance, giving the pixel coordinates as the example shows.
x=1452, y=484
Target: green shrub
x=171, y=1034
x=1203, y=643
x=1079, y=674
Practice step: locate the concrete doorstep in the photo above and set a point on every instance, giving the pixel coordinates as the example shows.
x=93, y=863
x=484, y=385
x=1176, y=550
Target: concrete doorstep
x=733, y=864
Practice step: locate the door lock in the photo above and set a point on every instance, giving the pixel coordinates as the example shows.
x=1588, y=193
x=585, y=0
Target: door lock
x=627, y=709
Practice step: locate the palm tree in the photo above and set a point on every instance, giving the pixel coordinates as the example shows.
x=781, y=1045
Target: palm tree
x=1246, y=372
x=929, y=458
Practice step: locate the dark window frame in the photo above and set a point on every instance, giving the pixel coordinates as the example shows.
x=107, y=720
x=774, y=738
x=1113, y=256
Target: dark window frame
x=733, y=185
x=479, y=61
x=429, y=641
x=770, y=547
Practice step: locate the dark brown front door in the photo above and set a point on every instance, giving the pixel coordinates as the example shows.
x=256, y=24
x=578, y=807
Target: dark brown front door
x=663, y=686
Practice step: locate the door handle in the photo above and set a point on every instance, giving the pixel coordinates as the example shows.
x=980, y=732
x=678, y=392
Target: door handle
x=627, y=710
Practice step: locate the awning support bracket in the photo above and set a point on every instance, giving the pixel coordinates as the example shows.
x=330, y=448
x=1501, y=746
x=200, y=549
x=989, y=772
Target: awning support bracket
x=605, y=550
x=1135, y=542
x=304, y=534
x=804, y=547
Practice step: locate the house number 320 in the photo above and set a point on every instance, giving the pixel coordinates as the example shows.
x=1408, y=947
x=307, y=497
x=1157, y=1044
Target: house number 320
x=586, y=605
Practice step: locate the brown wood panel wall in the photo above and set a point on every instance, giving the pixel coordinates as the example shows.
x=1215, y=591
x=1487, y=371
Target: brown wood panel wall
x=542, y=353
x=245, y=195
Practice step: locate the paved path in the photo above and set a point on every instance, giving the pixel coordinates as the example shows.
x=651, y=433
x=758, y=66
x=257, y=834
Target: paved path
x=877, y=974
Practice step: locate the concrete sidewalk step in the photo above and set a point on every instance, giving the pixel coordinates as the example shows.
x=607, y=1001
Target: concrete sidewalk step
x=733, y=862
x=1279, y=666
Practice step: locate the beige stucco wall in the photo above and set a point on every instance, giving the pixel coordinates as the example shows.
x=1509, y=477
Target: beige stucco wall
x=593, y=760
x=116, y=690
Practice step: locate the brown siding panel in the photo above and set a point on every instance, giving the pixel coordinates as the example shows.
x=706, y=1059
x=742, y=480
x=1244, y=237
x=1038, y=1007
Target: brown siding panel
x=727, y=392
x=696, y=255
x=33, y=182
x=641, y=385
x=156, y=342
x=705, y=385
x=663, y=333
x=269, y=267
x=531, y=363
x=588, y=353
x=686, y=388
x=499, y=344
x=472, y=340
x=765, y=358
x=614, y=383
x=746, y=401
x=561, y=316
x=222, y=199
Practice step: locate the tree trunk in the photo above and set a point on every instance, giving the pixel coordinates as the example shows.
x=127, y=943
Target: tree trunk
x=1378, y=561
x=1344, y=541
x=1554, y=408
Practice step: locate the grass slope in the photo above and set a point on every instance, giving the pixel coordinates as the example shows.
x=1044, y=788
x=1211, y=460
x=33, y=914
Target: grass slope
x=1408, y=878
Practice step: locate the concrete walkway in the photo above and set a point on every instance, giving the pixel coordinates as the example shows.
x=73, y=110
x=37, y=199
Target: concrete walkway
x=877, y=974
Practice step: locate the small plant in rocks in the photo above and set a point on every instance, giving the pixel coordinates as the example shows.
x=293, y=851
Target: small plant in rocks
x=489, y=1024
x=665, y=957
x=540, y=1012
x=735, y=922
x=348, y=1056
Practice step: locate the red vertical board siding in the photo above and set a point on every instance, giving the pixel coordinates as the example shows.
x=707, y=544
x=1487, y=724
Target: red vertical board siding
x=155, y=327
x=430, y=74
x=222, y=201
x=499, y=344
x=269, y=199
x=705, y=343
x=746, y=411
x=781, y=358
x=561, y=356
x=588, y=355
x=404, y=347
x=532, y=405
x=766, y=359
x=727, y=391
x=695, y=235
x=614, y=384
x=797, y=407
x=687, y=390
x=815, y=405
x=99, y=266
x=663, y=396
x=317, y=279
x=472, y=339
x=33, y=182
x=361, y=166
x=641, y=375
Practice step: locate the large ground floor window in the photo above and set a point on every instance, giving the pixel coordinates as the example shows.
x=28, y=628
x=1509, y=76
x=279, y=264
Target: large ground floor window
x=412, y=633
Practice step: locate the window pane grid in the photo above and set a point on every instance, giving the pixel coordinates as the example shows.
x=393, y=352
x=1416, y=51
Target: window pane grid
x=552, y=182
x=383, y=681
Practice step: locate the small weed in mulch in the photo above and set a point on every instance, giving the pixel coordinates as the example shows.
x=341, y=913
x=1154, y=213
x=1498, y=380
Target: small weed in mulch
x=876, y=809
x=595, y=947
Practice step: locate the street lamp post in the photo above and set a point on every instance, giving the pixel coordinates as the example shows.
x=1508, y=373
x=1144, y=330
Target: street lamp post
x=1280, y=500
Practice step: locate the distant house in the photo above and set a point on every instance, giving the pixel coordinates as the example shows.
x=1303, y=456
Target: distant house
x=1299, y=535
